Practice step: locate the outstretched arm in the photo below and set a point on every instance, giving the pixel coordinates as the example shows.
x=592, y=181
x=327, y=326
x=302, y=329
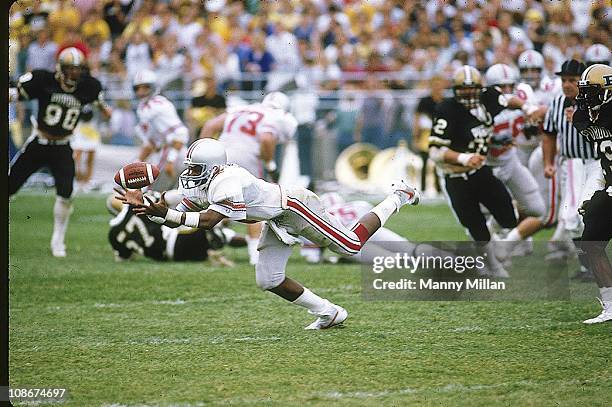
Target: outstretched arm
x=213, y=126
x=145, y=206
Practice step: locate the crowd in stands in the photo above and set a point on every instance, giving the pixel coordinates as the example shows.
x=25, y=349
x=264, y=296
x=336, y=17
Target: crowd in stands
x=325, y=45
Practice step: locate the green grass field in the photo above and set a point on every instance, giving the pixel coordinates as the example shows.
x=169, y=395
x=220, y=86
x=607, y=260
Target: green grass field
x=145, y=333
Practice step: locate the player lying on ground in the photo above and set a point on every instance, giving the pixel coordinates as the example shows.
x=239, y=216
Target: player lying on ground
x=231, y=192
x=130, y=234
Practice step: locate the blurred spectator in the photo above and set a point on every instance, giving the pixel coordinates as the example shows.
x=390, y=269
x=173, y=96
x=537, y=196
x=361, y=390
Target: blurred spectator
x=85, y=5
x=72, y=38
x=206, y=103
x=164, y=21
x=94, y=24
x=259, y=60
x=227, y=67
x=187, y=28
x=99, y=53
x=122, y=123
x=396, y=124
x=37, y=16
x=115, y=15
x=41, y=53
x=283, y=46
x=65, y=17
x=169, y=63
x=304, y=103
x=371, y=119
x=138, y=54
x=346, y=117
x=422, y=121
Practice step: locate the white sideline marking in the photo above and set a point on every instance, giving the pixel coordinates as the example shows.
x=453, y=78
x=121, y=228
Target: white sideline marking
x=178, y=301
x=110, y=305
x=257, y=339
x=159, y=341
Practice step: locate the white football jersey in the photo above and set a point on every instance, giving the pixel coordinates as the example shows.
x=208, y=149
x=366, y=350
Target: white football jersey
x=242, y=130
x=510, y=124
x=237, y=194
x=159, y=124
x=549, y=89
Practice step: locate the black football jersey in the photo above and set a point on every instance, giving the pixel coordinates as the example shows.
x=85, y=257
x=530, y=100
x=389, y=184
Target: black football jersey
x=58, y=111
x=600, y=134
x=465, y=131
x=131, y=233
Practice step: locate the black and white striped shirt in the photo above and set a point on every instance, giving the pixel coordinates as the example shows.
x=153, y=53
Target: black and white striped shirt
x=573, y=145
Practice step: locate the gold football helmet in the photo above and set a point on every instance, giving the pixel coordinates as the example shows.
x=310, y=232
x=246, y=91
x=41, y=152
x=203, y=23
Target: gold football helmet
x=71, y=64
x=595, y=88
x=467, y=86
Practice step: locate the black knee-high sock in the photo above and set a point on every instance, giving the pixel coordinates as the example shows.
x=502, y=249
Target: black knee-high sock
x=582, y=256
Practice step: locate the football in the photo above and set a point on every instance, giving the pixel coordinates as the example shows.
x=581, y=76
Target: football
x=137, y=175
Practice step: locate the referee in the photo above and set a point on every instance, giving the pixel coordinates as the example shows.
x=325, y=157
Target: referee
x=579, y=168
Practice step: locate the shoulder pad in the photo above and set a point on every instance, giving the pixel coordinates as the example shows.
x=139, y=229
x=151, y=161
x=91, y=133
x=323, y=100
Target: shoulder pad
x=224, y=185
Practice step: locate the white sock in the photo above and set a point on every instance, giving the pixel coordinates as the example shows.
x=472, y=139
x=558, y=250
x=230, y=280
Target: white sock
x=252, y=243
x=513, y=236
x=61, y=214
x=313, y=302
x=386, y=208
x=606, y=294
x=491, y=259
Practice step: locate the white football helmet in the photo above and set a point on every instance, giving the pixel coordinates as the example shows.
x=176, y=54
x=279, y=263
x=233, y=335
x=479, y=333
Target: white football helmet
x=597, y=54
x=531, y=64
x=276, y=100
x=330, y=199
x=501, y=74
x=204, y=159
x=145, y=77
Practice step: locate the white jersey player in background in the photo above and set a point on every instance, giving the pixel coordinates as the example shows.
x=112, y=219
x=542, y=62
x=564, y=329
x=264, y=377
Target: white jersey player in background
x=162, y=132
x=508, y=127
x=231, y=192
x=250, y=135
x=531, y=68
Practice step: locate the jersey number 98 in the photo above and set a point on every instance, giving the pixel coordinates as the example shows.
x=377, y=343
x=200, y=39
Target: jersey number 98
x=54, y=113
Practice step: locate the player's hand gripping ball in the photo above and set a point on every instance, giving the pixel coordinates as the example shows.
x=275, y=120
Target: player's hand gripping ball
x=137, y=175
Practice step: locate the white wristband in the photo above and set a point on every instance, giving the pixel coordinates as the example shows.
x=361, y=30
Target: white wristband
x=174, y=216
x=192, y=219
x=156, y=219
x=464, y=158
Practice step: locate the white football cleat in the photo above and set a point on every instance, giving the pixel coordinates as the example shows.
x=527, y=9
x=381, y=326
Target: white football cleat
x=408, y=195
x=334, y=315
x=58, y=249
x=605, y=316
